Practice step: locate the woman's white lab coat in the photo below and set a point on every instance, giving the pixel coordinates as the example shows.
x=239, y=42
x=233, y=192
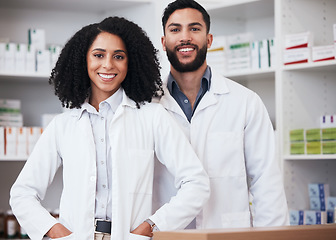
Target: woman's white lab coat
x=136, y=136
x=232, y=135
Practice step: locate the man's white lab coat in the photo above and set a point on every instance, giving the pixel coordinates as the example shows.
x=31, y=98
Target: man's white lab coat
x=233, y=137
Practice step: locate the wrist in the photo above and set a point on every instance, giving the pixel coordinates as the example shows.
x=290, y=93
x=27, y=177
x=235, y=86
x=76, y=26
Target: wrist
x=153, y=226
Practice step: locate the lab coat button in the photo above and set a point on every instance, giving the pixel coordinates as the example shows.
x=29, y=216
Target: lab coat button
x=92, y=178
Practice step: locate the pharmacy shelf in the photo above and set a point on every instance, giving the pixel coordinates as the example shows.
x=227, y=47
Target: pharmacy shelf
x=329, y=65
x=13, y=158
x=5, y=76
x=310, y=157
x=97, y=6
x=252, y=75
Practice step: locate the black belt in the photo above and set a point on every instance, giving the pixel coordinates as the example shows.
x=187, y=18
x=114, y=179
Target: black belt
x=102, y=226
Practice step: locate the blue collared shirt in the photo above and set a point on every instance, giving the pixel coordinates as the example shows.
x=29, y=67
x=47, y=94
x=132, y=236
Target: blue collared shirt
x=100, y=123
x=181, y=98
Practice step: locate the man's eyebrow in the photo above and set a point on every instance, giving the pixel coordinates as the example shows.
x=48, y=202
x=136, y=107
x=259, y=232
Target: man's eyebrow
x=190, y=24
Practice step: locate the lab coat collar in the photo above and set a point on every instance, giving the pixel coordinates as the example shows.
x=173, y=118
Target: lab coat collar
x=126, y=101
x=218, y=87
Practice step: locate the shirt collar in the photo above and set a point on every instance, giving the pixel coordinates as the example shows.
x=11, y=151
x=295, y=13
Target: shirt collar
x=171, y=82
x=113, y=101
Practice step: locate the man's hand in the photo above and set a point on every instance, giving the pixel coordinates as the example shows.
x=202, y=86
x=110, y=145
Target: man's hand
x=58, y=231
x=143, y=229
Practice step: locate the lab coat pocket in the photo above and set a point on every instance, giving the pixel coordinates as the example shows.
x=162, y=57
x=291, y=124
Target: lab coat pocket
x=69, y=237
x=141, y=170
x=225, y=154
x=236, y=220
x=138, y=237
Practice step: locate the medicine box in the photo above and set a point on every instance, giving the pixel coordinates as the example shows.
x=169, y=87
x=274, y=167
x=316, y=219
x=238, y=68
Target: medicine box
x=22, y=146
x=313, y=134
x=298, y=40
x=331, y=203
x=2, y=141
x=264, y=54
x=20, y=57
x=2, y=56
x=297, y=55
x=10, y=57
x=10, y=106
x=318, y=190
x=30, y=59
x=329, y=134
x=297, y=148
x=10, y=141
x=296, y=217
x=296, y=135
x=33, y=134
x=36, y=37
x=317, y=203
x=313, y=147
x=329, y=147
x=330, y=217
x=323, y=53
x=315, y=217
x=334, y=30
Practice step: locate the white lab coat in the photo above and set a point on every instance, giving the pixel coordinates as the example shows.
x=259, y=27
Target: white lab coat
x=136, y=136
x=232, y=135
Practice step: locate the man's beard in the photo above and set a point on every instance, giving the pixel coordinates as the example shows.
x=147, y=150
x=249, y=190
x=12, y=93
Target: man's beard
x=189, y=67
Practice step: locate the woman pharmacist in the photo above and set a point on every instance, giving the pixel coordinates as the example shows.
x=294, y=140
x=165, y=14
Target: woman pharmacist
x=107, y=143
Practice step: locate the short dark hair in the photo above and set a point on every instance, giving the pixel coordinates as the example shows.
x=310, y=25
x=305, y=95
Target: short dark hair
x=182, y=4
x=70, y=75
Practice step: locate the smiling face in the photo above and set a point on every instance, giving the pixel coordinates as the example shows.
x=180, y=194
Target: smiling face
x=186, y=40
x=107, y=65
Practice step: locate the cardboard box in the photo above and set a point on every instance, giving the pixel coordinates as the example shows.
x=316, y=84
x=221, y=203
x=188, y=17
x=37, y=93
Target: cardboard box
x=323, y=53
x=313, y=147
x=297, y=148
x=297, y=55
x=296, y=217
x=296, y=135
x=329, y=147
x=313, y=134
x=328, y=134
x=2, y=141
x=36, y=37
x=320, y=190
x=299, y=40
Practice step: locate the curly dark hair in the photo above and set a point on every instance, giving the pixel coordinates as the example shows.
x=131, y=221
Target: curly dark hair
x=70, y=75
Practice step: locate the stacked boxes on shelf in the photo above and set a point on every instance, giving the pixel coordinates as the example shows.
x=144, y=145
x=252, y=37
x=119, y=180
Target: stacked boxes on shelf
x=299, y=49
x=31, y=57
x=238, y=53
x=10, y=113
x=322, y=207
x=317, y=140
x=18, y=141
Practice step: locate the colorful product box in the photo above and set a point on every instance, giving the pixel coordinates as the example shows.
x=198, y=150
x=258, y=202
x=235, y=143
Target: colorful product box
x=318, y=190
x=296, y=135
x=297, y=55
x=10, y=141
x=331, y=203
x=313, y=135
x=323, y=53
x=2, y=141
x=318, y=203
x=297, y=148
x=33, y=135
x=329, y=134
x=298, y=40
x=296, y=217
x=329, y=147
x=314, y=147
x=315, y=217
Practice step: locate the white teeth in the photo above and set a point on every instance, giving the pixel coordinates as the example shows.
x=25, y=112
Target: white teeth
x=106, y=76
x=186, y=49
